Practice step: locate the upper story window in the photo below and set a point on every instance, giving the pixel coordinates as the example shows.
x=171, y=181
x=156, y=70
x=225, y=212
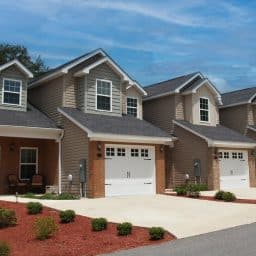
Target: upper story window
x=11, y=91
x=104, y=97
x=132, y=107
x=204, y=110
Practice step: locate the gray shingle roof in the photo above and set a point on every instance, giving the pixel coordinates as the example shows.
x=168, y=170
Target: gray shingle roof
x=125, y=125
x=31, y=118
x=217, y=133
x=236, y=97
x=193, y=85
x=167, y=86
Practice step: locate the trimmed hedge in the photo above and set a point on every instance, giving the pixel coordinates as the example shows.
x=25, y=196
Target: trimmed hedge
x=67, y=216
x=124, y=229
x=156, y=233
x=34, y=207
x=99, y=224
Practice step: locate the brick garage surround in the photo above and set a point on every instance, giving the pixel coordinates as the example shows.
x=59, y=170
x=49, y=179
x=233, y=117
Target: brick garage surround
x=96, y=177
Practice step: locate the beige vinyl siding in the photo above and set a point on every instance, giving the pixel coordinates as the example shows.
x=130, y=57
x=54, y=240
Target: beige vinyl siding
x=13, y=72
x=74, y=148
x=48, y=97
x=80, y=81
x=205, y=92
x=160, y=112
x=103, y=71
x=179, y=106
x=235, y=117
x=188, y=108
x=184, y=154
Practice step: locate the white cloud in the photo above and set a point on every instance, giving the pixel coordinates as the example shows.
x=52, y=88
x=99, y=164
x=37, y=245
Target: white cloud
x=221, y=84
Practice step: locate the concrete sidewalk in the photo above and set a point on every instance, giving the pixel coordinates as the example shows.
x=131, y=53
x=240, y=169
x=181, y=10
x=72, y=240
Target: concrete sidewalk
x=183, y=217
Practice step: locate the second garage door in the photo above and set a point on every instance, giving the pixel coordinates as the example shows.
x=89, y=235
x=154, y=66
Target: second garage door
x=129, y=170
x=234, y=169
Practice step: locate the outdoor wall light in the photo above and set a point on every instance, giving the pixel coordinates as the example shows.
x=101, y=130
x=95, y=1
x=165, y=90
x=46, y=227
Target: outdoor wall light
x=99, y=146
x=70, y=178
x=162, y=148
x=12, y=147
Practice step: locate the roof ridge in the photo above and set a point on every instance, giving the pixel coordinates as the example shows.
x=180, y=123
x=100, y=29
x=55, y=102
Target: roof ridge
x=243, y=89
x=174, y=78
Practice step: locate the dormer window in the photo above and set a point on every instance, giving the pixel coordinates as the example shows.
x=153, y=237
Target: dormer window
x=204, y=110
x=11, y=91
x=104, y=95
x=132, y=107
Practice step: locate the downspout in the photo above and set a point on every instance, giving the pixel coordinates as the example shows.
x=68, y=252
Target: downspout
x=60, y=160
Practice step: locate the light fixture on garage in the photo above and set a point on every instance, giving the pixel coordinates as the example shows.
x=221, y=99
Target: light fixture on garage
x=11, y=147
x=99, y=146
x=162, y=148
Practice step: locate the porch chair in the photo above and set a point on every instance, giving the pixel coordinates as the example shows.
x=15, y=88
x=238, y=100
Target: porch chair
x=37, y=183
x=15, y=185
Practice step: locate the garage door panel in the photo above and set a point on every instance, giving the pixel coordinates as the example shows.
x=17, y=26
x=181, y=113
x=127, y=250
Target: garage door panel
x=234, y=169
x=129, y=171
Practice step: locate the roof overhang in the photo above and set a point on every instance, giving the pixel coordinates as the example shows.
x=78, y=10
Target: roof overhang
x=114, y=66
x=208, y=83
x=19, y=65
x=217, y=143
x=234, y=104
x=95, y=136
x=175, y=91
x=30, y=132
x=65, y=70
x=251, y=128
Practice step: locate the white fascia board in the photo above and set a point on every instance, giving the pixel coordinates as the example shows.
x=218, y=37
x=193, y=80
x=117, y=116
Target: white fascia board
x=234, y=104
x=125, y=77
x=30, y=132
x=82, y=127
x=228, y=144
x=158, y=96
x=253, y=96
x=188, y=81
x=131, y=138
x=251, y=128
x=20, y=65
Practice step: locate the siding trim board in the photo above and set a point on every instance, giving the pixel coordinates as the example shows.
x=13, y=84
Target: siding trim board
x=19, y=65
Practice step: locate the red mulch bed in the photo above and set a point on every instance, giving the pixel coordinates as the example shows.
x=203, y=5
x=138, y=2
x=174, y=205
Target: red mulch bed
x=211, y=198
x=71, y=239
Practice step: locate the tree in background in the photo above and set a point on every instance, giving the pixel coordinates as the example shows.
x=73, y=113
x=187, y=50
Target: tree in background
x=9, y=52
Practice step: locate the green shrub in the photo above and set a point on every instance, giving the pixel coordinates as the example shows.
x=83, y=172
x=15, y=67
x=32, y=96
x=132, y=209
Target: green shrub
x=34, y=207
x=156, y=233
x=66, y=196
x=219, y=195
x=193, y=190
x=67, y=216
x=7, y=218
x=228, y=197
x=200, y=187
x=48, y=196
x=181, y=191
x=99, y=224
x=29, y=195
x=4, y=249
x=44, y=227
x=124, y=229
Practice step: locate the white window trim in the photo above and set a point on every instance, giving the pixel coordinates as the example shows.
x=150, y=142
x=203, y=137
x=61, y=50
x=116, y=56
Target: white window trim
x=135, y=98
x=3, y=91
x=28, y=163
x=206, y=122
x=96, y=94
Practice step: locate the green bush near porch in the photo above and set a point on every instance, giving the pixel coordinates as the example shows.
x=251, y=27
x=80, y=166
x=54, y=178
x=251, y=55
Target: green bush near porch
x=192, y=190
x=34, y=208
x=49, y=196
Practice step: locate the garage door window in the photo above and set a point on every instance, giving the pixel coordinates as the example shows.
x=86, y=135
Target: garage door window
x=240, y=155
x=134, y=152
x=234, y=155
x=226, y=155
x=121, y=152
x=144, y=152
x=110, y=151
x=220, y=155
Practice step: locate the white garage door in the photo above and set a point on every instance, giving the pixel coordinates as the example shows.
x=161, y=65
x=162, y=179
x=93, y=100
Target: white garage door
x=129, y=170
x=234, y=169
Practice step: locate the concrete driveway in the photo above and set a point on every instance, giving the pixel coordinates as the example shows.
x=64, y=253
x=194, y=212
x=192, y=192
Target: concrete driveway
x=183, y=217
x=242, y=193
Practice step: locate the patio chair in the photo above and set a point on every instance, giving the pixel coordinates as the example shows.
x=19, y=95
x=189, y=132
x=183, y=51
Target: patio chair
x=37, y=183
x=15, y=185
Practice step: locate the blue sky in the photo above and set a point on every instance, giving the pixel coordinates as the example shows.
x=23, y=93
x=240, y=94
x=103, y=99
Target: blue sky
x=151, y=40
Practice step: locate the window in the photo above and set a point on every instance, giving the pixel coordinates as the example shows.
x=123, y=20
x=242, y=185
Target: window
x=103, y=95
x=220, y=155
x=226, y=155
x=240, y=155
x=110, y=151
x=234, y=155
x=28, y=163
x=134, y=152
x=121, y=152
x=11, y=91
x=132, y=107
x=144, y=152
x=204, y=110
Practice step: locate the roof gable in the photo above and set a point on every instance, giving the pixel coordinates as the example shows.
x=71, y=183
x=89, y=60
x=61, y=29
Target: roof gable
x=17, y=63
